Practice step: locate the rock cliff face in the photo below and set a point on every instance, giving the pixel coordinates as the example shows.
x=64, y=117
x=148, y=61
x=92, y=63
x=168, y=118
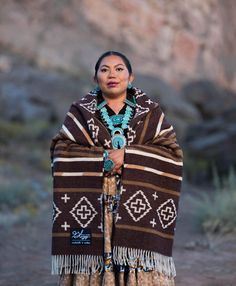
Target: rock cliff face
x=177, y=41
x=183, y=54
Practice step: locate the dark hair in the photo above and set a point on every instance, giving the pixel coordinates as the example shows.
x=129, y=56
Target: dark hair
x=113, y=53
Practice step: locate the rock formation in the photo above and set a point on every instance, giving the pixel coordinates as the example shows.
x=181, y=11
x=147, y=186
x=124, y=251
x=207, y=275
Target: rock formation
x=177, y=41
x=183, y=55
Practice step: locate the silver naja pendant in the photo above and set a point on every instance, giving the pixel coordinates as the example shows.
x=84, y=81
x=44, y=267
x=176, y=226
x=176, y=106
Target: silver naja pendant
x=118, y=140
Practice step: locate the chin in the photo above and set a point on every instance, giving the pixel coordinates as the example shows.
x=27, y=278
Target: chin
x=114, y=93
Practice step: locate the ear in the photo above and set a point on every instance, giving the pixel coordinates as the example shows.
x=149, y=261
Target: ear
x=131, y=78
x=95, y=79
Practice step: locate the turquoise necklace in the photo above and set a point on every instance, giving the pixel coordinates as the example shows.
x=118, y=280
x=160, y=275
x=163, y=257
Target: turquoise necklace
x=118, y=139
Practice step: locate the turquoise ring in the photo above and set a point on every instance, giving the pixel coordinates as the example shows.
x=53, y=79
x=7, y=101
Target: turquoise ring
x=108, y=165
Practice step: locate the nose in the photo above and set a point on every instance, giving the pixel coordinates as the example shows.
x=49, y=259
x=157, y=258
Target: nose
x=111, y=73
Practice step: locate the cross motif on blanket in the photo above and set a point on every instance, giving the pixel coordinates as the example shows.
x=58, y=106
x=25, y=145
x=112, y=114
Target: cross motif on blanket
x=118, y=217
x=153, y=222
x=65, y=226
x=100, y=198
x=107, y=143
x=122, y=190
x=155, y=196
x=167, y=213
x=137, y=205
x=149, y=101
x=83, y=212
x=100, y=227
x=65, y=198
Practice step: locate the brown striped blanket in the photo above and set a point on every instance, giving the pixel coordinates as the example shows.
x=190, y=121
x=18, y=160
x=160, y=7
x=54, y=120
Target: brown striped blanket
x=150, y=190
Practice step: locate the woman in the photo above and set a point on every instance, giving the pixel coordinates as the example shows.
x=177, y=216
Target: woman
x=117, y=177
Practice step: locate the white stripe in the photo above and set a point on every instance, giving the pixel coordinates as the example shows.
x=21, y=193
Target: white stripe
x=68, y=133
x=151, y=170
x=75, y=174
x=166, y=130
x=161, y=173
x=142, y=153
x=159, y=125
x=77, y=159
x=80, y=127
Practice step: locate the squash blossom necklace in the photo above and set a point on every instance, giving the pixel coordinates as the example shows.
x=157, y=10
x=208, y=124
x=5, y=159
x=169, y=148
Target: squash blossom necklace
x=118, y=139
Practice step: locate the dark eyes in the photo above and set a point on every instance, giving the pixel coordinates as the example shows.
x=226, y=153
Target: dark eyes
x=119, y=69
x=103, y=70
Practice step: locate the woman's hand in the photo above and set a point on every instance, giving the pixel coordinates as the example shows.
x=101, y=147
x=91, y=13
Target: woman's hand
x=117, y=156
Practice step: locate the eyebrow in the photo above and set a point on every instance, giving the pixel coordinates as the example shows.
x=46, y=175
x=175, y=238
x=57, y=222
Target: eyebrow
x=115, y=65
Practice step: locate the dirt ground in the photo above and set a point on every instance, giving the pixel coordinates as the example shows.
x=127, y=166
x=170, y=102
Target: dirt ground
x=25, y=253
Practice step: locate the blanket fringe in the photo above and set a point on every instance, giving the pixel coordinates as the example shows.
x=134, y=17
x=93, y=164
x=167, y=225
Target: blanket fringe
x=72, y=264
x=87, y=264
x=147, y=259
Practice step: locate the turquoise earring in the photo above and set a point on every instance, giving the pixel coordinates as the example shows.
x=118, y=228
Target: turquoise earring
x=129, y=85
x=97, y=88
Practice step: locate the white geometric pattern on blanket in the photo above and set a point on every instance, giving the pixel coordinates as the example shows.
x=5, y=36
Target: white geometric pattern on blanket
x=167, y=213
x=140, y=110
x=100, y=199
x=131, y=134
x=83, y=212
x=93, y=92
x=149, y=101
x=55, y=212
x=94, y=129
x=137, y=205
x=90, y=106
x=139, y=93
x=117, y=217
x=107, y=143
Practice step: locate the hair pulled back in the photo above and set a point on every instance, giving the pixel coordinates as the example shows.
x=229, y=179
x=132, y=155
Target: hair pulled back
x=113, y=53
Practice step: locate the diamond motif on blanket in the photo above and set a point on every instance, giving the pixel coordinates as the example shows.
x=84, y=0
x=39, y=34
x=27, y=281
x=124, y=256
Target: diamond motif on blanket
x=137, y=206
x=55, y=212
x=83, y=212
x=167, y=213
x=90, y=106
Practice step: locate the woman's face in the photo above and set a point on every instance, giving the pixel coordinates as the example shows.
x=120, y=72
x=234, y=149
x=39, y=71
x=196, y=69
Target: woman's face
x=113, y=76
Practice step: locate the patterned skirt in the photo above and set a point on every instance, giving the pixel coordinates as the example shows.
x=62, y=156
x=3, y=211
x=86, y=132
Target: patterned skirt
x=114, y=275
